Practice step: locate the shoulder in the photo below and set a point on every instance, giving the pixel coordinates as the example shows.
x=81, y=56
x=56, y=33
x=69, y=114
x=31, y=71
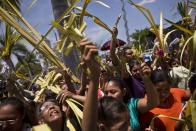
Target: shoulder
x=133, y=103
x=177, y=91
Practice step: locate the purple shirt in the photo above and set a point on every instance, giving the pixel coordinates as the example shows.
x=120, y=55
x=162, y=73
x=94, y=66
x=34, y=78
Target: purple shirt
x=135, y=87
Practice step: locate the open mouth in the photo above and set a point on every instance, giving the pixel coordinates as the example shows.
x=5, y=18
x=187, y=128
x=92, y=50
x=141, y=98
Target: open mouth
x=54, y=113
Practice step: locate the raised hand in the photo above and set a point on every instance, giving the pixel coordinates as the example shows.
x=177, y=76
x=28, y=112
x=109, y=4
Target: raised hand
x=145, y=70
x=115, y=32
x=88, y=53
x=88, y=50
x=63, y=95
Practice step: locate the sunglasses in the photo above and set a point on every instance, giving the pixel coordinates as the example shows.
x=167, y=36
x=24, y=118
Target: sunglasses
x=9, y=122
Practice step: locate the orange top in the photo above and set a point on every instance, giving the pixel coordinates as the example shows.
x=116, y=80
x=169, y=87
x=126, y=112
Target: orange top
x=173, y=110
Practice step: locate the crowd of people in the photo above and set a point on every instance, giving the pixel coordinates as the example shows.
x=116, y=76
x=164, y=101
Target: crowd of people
x=134, y=93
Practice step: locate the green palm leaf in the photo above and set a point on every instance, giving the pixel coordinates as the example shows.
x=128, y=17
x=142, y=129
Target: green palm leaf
x=180, y=27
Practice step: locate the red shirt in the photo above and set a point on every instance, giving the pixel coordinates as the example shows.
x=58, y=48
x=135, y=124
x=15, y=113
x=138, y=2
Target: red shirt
x=174, y=110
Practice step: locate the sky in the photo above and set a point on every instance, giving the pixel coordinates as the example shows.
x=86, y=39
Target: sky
x=41, y=15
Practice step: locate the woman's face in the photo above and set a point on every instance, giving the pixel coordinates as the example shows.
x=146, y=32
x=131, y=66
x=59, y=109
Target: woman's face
x=10, y=118
x=163, y=89
x=112, y=89
x=135, y=71
x=51, y=112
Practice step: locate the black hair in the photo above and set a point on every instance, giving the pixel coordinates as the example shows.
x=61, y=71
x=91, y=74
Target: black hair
x=109, y=109
x=122, y=85
x=192, y=83
x=14, y=101
x=159, y=76
x=118, y=81
x=49, y=95
x=126, y=48
x=133, y=63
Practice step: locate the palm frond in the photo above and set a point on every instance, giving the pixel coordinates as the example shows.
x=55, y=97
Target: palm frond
x=15, y=3
x=181, y=9
x=20, y=48
x=34, y=40
x=180, y=27
x=164, y=116
x=85, y=4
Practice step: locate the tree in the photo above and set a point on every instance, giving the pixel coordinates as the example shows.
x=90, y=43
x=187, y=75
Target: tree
x=15, y=3
x=29, y=66
x=182, y=9
x=143, y=38
x=11, y=46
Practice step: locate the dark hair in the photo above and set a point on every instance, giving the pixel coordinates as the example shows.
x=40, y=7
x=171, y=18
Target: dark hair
x=109, y=109
x=121, y=83
x=49, y=95
x=159, y=76
x=14, y=101
x=118, y=81
x=133, y=63
x=126, y=48
x=192, y=83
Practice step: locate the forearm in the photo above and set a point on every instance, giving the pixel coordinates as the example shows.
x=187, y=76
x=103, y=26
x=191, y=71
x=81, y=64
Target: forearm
x=154, y=63
x=124, y=73
x=113, y=55
x=89, y=122
x=151, y=93
x=82, y=89
x=79, y=98
x=90, y=115
x=69, y=84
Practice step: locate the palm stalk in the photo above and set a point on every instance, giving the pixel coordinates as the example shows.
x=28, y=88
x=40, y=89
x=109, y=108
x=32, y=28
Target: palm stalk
x=35, y=39
x=149, y=17
x=164, y=116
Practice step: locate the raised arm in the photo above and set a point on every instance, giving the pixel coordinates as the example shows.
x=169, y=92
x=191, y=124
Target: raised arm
x=88, y=51
x=113, y=44
x=119, y=64
x=151, y=98
x=67, y=94
x=82, y=89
